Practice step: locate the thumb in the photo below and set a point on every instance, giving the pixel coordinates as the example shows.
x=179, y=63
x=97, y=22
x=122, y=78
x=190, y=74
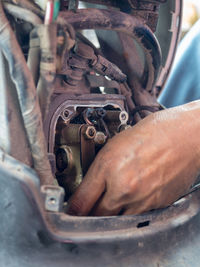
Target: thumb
x=85, y=197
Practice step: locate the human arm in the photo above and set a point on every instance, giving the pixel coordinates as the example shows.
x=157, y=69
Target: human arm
x=146, y=167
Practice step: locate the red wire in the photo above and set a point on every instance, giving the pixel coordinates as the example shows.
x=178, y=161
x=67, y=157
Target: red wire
x=49, y=12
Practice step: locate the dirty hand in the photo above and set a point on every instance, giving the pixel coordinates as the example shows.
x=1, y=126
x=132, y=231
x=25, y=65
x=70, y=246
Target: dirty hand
x=146, y=167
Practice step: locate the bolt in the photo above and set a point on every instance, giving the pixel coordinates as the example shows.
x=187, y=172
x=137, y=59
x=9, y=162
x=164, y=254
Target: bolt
x=53, y=197
x=66, y=113
x=100, y=138
x=90, y=132
x=52, y=201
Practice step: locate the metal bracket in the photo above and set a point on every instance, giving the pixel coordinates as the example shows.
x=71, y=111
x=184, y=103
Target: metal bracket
x=53, y=197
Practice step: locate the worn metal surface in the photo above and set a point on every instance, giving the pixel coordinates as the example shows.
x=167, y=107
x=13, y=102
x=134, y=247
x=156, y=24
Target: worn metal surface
x=87, y=147
x=69, y=171
x=147, y=9
x=30, y=237
x=74, y=122
x=70, y=102
x=53, y=197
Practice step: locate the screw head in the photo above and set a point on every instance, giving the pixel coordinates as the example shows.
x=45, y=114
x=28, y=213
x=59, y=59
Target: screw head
x=52, y=201
x=123, y=116
x=66, y=113
x=100, y=138
x=90, y=132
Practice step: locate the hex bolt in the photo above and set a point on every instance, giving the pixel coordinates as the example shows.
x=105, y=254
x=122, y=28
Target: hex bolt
x=90, y=132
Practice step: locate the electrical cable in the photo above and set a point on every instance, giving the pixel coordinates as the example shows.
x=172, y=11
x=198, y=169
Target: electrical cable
x=28, y=101
x=22, y=13
x=49, y=12
x=26, y=4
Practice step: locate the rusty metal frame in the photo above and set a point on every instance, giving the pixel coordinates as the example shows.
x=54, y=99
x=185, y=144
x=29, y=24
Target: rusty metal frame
x=32, y=237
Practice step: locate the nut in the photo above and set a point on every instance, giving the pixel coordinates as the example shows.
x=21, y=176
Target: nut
x=90, y=132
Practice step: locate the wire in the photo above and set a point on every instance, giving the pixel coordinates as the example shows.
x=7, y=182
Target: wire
x=26, y=4
x=56, y=9
x=29, y=106
x=49, y=12
x=22, y=13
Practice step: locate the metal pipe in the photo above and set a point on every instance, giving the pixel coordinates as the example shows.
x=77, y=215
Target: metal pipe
x=28, y=101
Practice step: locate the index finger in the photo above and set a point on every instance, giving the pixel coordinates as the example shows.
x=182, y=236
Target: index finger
x=85, y=197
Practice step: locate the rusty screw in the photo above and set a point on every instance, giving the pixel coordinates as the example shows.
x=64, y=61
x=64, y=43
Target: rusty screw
x=90, y=132
x=100, y=138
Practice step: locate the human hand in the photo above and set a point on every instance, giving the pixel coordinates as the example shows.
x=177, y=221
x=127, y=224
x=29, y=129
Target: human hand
x=146, y=167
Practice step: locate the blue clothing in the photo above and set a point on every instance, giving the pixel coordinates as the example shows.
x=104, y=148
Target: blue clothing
x=183, y=84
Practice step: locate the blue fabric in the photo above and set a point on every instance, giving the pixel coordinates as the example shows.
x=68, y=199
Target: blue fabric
x=183, y=84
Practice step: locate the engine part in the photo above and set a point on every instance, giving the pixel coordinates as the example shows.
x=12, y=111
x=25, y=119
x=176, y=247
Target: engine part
x=76, y=123
x=166, y=237
x=86, y=102
x=104, y=19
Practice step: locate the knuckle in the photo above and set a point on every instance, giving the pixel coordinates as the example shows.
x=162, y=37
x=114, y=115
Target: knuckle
x=110, y=204
x=128, y=190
